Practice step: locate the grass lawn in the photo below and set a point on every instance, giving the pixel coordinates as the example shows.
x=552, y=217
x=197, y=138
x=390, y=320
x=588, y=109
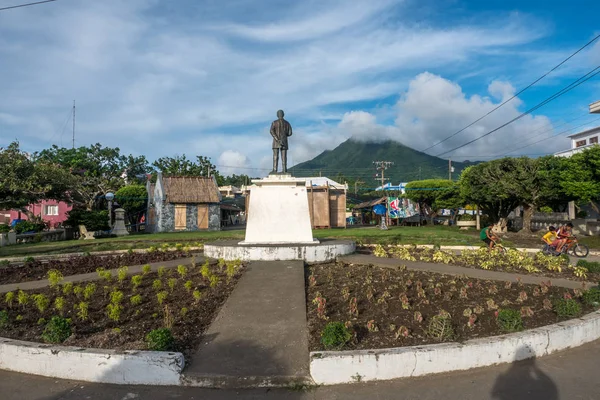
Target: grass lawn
x=408, y=235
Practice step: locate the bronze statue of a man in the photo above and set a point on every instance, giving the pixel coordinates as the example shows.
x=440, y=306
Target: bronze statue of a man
x=280, y=130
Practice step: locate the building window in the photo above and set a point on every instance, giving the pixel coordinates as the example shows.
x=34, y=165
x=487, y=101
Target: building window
x=50, y=210
x=580, y=143
x=594, y=140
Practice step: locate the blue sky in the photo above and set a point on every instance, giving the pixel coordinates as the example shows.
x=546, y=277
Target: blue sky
x=160, y=77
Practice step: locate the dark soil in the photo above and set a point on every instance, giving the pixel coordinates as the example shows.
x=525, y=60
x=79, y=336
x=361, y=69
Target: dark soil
x=389, y=315
x=98, y=331
x=37, y=270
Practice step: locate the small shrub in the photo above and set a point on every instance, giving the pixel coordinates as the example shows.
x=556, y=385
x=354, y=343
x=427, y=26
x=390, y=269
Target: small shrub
x=592, y=297
x=591, y=266
x=157, y=284
x=89, y=291
x=214, y=281
x=182, y=271
x=57, y=330
x=161, y=297
x=9, y=297
x=122, y=274
x=113, y=311
x=28, y=260
x=59, y=304
x=104, y=274
x=197, y=295
x=189, y=285
x=567, y=308
x=19, y=318
x=146, y=269
x=82, y=310
x=160, y=340
x=136, y=281
x=510, y=320
x=136, y=300
x=41, y=321
x=335, y=335
x=171, y=283
x=55, y=277
x=67, y=288
x=183, y=312
x=22, y=298
x=4, y=321
x=161, y=271
x=440, y=327
x=205, y=270
x=77, y=290
x=116, y=296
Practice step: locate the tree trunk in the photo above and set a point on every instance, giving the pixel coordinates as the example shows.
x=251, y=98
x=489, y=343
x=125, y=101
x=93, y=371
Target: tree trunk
x=527, y=216
x=501, y=225
x=594, y=206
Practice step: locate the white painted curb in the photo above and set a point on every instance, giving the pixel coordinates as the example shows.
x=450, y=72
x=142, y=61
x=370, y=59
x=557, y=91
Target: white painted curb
x=312, y=253
x=91, y=365
x=335, y=367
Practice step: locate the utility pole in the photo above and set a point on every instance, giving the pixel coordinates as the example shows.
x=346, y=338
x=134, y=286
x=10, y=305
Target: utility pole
x=450, y=169
x=382, y=166
x=73, y=123
x=356, y=186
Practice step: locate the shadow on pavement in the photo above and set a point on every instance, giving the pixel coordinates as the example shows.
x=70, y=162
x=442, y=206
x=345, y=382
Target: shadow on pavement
x=524, y=380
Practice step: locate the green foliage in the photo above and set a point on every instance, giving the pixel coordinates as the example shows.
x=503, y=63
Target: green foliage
x=567, y=308
x=116, y=296
x=160, y=340
x=197, y=295
x=591, y=266
x=162, y=271
x=96, y=220
x=4, y=320
x=183, y=312
x=113, y=311
x=9, y=297
x=182, y=271
x=77, y=290
x=41, y=302
x=188, y=285
x=19, y=318
x=157, y=284
x=440, y=327
x=82, y=310
x=335, y=336
x=214, y=281
x=55, y=277
x=136, y=281
x=59, y=304
x=433, y=191
x=57, y=330
x=205, y=270
x=136, y=300
x=134, y=199
x=22, y=298
x=146, y=269
x=171, y=283
x=546, y=209
x=41, y=321
x=161, y=297
x=580, y=175
x=89, y=291
x=29, y=226
x=104, y=274
x=182, y=166
x=510, y=320
x=122, y=274
x=4, y=228
x=67, y=288
x=591, y=297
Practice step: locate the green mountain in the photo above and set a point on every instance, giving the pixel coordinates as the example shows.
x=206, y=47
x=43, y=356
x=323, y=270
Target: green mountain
x=353, y=160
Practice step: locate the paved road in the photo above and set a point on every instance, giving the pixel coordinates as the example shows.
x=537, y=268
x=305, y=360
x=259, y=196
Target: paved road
x=569, y=375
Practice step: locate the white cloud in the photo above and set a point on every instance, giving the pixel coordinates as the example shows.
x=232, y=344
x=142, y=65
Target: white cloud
x=233, y=162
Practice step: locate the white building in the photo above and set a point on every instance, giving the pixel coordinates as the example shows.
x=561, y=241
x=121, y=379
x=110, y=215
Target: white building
x=595, y=107
x=581, y=140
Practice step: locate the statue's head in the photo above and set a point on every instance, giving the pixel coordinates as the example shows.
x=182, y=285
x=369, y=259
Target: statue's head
x=280, y=114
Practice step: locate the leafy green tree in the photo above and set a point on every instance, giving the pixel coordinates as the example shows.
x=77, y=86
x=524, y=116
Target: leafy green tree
x=237, y=180
x=99, y=170
x=134, y=199
x=24, y=181
x=433, y=193
x=182, y=166
x=580, y=176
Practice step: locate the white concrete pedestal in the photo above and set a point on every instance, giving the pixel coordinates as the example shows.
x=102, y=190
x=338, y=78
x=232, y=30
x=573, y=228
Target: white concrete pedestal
x=278, y=212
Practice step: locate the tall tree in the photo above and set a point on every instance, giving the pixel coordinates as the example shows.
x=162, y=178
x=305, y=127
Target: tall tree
x=580, y=176
x=433, y=193
x=24, y=181
x=99, y=169
x=134, y=199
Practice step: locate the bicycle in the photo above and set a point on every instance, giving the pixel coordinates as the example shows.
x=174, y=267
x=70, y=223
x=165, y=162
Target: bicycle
x=572, y=246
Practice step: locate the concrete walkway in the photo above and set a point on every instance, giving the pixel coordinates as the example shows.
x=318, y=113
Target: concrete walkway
x=455, y=270
x=93, y=276
x=260, y=336
x=568, y=375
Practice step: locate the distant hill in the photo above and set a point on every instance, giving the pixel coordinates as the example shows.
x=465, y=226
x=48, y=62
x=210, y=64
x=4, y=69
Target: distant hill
x=354, y=159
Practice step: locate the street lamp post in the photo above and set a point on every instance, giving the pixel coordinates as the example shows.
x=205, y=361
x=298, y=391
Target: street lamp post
x=110, y=197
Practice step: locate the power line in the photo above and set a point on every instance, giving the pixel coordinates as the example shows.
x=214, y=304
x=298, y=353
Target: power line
x=26, y=5
x=556, y=95
x=515, y=95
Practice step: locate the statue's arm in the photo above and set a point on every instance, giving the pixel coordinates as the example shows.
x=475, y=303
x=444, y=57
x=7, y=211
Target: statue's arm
x=273, y=130
x=290, y=130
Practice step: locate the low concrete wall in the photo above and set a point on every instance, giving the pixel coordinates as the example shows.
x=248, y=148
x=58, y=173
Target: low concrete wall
x=326, y=251
x=91, y=365
x=335, y=367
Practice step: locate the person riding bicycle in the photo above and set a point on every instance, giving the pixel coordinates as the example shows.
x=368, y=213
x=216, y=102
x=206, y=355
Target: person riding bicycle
x=488, y=237
x=549, y=237
x=563, y=233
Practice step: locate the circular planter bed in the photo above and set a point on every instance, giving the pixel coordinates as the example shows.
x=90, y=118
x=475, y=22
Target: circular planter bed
x=118, y=312
x=386, y=308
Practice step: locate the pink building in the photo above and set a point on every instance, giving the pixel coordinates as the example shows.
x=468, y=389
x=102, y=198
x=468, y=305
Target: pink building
x=53, y=211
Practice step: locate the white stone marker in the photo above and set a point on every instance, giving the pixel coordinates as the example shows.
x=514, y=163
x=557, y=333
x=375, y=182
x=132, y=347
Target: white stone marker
x=278, y=212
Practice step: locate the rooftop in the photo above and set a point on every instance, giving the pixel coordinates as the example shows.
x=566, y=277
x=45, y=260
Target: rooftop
x=191, y=189
x=595, y=107
x=585, y=133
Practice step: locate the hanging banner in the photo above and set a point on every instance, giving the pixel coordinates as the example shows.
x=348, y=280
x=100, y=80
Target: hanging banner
x=401, y=208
